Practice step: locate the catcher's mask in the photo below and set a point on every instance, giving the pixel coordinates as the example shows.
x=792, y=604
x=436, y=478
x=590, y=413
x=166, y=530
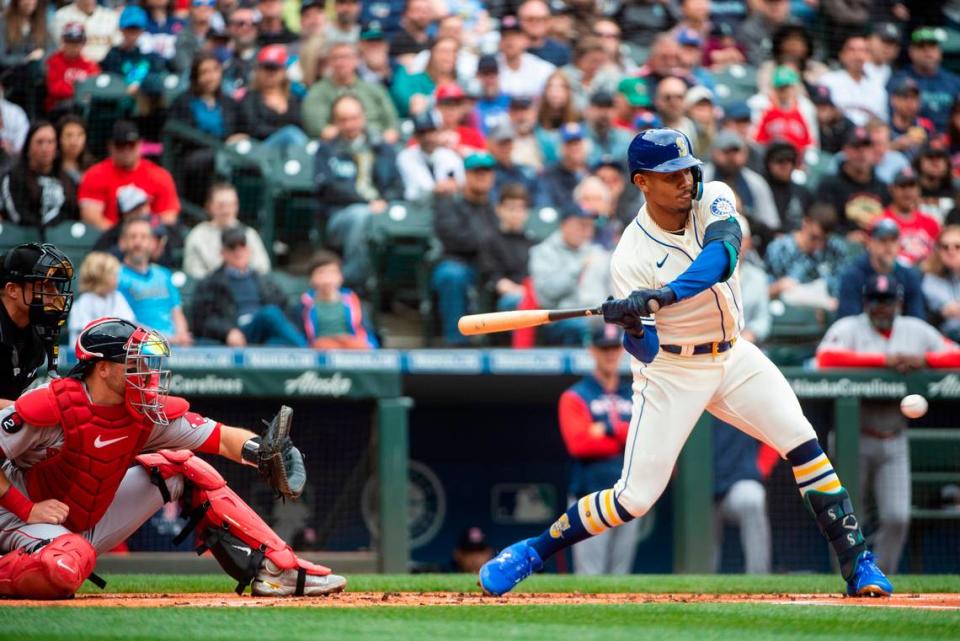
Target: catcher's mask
x=143, y=353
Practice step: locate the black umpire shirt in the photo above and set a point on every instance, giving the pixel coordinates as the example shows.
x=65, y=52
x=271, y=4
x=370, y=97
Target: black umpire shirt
x=21, y=355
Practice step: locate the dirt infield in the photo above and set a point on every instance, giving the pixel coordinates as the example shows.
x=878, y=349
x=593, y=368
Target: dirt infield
x=381, y=599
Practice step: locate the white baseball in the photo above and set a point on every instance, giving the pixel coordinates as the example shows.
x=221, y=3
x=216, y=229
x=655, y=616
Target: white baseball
x=914, y=406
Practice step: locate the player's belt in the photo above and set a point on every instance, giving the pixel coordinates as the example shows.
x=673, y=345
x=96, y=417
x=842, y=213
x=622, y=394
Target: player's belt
x=714, y=348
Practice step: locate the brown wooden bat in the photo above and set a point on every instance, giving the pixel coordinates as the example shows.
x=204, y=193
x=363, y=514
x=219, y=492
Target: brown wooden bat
x=508, y=321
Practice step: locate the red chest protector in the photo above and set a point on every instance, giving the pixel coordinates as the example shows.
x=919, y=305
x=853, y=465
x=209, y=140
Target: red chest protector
x=100, y=442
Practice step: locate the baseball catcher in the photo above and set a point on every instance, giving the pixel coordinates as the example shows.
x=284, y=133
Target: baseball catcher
x=91, y=456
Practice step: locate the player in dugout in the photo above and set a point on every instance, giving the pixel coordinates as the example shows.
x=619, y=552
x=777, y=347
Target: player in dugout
x=36, y=299
x=91, y=456
x=882, y=336
x=675, y=273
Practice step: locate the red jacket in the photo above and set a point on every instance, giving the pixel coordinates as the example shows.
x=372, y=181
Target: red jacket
x=63, y=73
x=784, y=124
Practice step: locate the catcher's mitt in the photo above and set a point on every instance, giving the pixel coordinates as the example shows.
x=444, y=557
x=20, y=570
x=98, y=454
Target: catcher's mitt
x=279, y=462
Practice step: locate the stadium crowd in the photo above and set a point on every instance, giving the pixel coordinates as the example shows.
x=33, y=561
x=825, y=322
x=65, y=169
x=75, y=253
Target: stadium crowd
x=836, y=123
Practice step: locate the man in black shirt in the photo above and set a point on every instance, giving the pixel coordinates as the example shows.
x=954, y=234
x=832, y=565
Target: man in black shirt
x=463, y=224
x=35, y=301
x=855, y=192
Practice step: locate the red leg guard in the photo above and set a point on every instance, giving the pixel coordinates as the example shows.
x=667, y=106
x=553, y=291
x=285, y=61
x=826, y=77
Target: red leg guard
x=225, y=509
x=55, y=571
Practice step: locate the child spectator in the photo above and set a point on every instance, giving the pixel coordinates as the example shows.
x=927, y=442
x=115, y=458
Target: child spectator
x=67, y=67
x=784, y=120
x=332, y=314
x=506, y=254
x=142, y=72
x=99, y=276
x=99, y=23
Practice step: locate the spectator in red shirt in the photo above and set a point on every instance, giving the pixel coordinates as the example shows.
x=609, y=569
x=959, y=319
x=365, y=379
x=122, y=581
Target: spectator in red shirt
x=783, y=120
x=918, y=231
x=125, y=166
x=67, y=66
x=452, y=105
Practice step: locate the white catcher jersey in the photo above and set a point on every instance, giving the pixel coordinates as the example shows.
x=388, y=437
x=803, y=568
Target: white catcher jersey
x=649, y=257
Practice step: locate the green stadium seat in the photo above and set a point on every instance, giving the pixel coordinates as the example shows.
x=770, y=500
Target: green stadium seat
x=75, y=239
x=12, y=235
x=735, y=82
x=818, y=164
x=291, y=285
x=402, y=253
x=795, y=333
x=294, y=194
x=104, y=100
x=246, y=164
x=542, y=222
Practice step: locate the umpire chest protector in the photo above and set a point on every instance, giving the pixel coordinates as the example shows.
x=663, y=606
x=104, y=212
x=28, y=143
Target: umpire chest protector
x=100, y=442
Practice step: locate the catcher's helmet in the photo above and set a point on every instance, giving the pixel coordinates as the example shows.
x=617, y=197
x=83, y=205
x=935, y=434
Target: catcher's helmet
x=664, y=151
x=141, y=350
x=50, y=272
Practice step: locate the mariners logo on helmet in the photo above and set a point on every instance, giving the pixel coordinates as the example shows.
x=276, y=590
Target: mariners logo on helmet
x=682, y=149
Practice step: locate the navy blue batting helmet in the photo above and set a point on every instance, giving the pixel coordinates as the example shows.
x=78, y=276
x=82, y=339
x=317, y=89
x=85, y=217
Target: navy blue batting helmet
x=664, y=151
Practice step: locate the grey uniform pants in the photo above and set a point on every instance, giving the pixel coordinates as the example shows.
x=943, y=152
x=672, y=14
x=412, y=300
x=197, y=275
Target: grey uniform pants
x=885, y=476
x=745, y=505
x=612, y=552
x=137, y=499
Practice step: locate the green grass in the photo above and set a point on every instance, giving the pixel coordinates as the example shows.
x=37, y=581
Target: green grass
x=702, y=622
x=711, y=583
x=629, y=622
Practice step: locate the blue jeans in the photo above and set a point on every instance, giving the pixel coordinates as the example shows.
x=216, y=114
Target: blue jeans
x=347, y=229
x=286, y=136
x=269, y=326
x=452, y=281
x=572, y=332
x=508, y=302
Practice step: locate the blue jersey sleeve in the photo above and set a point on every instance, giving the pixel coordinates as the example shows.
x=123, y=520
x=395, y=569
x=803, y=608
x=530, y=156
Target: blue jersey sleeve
x=707, y=270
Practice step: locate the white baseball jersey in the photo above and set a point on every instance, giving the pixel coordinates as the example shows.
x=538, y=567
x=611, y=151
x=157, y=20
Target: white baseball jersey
x=650, y=257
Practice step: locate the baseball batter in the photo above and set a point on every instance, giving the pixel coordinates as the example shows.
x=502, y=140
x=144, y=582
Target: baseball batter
x=677, y=260
x=92, y=456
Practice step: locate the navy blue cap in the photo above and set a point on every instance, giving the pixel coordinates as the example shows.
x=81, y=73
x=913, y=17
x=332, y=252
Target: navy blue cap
x=882, y=287
x=606, y=336
x=884, y=228
x=572, y=131
x=737, y=111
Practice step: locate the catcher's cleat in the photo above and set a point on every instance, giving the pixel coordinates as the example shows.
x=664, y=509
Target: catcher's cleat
x=272, y=581
x=868, y=579
x=510, y=567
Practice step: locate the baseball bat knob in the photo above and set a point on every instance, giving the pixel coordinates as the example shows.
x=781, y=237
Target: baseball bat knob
x=653, y=306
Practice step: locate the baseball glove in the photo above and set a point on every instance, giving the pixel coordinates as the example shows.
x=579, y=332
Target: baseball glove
x=279, y=462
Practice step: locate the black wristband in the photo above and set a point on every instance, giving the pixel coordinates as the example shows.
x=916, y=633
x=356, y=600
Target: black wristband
x=250, y=450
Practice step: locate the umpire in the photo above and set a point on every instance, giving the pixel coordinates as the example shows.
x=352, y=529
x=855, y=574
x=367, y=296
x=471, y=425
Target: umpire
x=37, y=284
x=594, y=421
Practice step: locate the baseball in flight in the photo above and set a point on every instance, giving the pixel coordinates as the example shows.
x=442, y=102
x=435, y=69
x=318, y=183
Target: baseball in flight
x=913, y=406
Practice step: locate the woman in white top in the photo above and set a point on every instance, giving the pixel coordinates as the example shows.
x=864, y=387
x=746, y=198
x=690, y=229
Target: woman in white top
x=99, y=296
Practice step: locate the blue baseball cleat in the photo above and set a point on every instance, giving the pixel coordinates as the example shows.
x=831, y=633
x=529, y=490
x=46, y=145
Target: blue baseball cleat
x=868, y=579
x=514, y=563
